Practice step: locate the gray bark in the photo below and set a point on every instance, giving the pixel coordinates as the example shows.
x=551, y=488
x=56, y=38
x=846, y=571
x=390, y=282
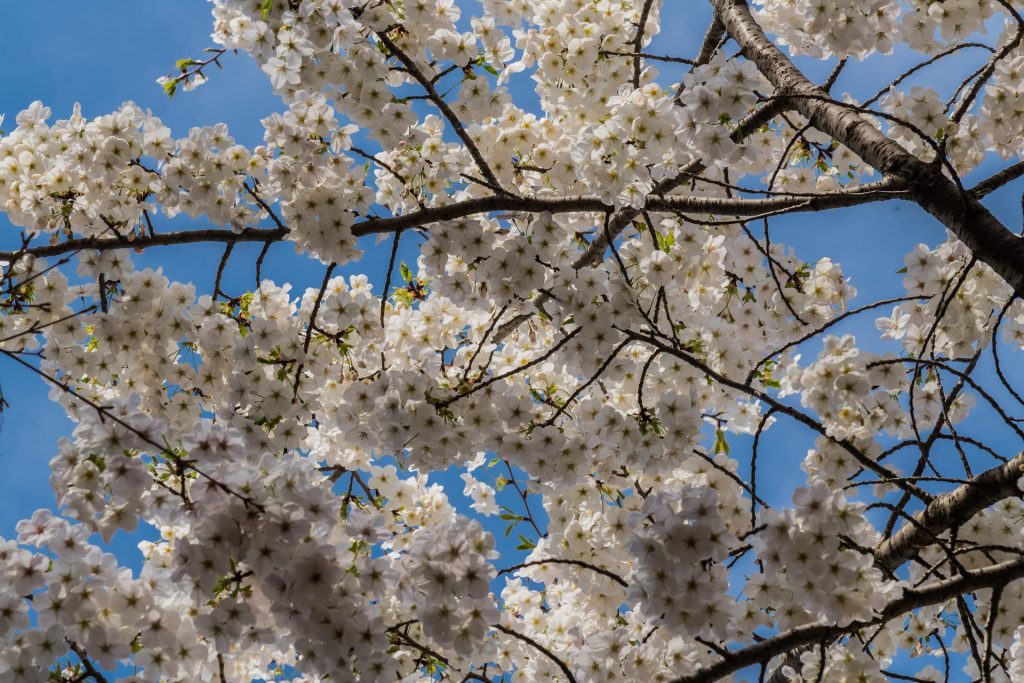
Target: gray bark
x=939, y=195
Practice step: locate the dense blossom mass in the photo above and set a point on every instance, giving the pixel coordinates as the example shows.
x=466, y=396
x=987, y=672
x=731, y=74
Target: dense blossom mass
x=596, y=309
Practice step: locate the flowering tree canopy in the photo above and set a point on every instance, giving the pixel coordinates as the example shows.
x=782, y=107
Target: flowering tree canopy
x=596, y=309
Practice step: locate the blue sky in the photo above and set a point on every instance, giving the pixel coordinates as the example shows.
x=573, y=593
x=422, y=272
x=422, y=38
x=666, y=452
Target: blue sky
x=103, y=52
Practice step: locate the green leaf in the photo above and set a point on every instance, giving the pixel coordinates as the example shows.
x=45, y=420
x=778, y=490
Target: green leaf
x=721, y=445
x=265, y=8
x=403, y=296
x=489, y=69
x=184, y=64
x=525, y=543
x=665, y=241
x=902, y=270
x=406, y=273
x=222, y=583
x=170, y=87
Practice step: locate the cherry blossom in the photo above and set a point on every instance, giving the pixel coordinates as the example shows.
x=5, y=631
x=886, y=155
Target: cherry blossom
x=598, y=334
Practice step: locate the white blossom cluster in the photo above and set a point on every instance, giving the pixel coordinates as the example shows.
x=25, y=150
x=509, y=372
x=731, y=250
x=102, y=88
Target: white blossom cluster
x=585, y=344
x=847, y=28
x=681, y=581
x=803, y=552
x=923, y=108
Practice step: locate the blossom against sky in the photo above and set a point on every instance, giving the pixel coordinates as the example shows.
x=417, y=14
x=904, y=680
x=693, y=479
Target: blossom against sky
x=100, y=78
x=93, y=69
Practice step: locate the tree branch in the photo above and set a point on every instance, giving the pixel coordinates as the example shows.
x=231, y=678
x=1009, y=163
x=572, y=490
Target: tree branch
x=530, y=641
x=951, y=510
x=881, y=190
x=912, y=598
x=438, y=101
x=937, y=194
x=577, y=563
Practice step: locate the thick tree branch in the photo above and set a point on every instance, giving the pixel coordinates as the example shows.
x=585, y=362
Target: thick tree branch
x=912, y=598
x=712, y=39
x=158, y=240
x=997, y=180
x=945, y=512
x=937, y=194
x=951, y=510
x=885, y=189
